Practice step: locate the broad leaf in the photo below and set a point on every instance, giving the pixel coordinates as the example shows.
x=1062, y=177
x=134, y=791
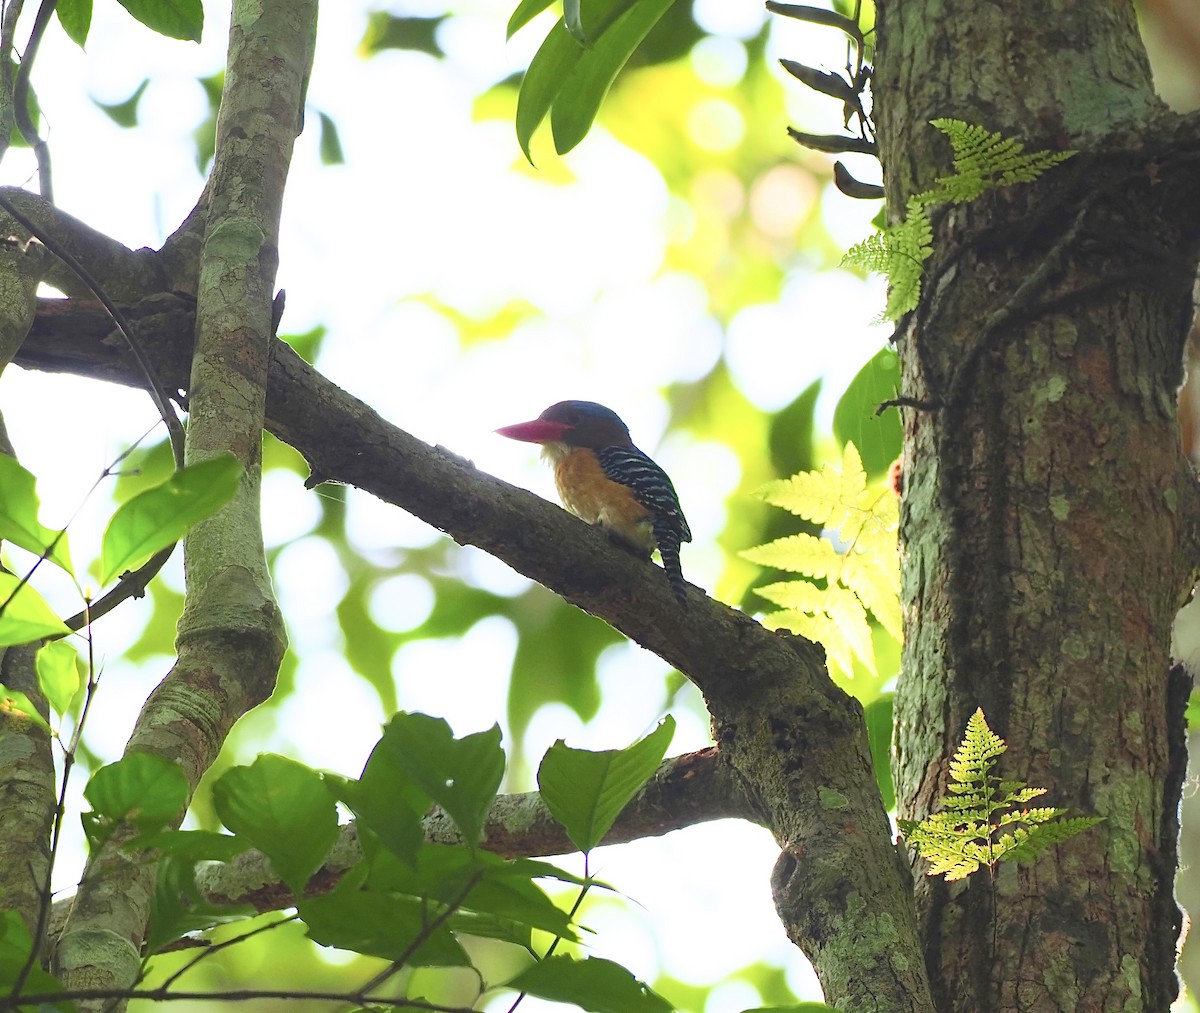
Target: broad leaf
x=159, y=517
x=16, y=944
x=177, y=19
x=58, y=674
x=586, y=791
x=76, y=18
x=386, y=802
x=144, y=789
x=526, y=11
x=125, y=114
x=460, y=775
x=855, y=419
x=19, y=522
x=579, y=101
x=283, y=809
x=24, y=615
x=596, y=985
x=177, y=906
x=390, y=926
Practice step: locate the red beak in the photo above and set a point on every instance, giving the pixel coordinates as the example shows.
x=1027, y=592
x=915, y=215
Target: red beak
x=537, y=431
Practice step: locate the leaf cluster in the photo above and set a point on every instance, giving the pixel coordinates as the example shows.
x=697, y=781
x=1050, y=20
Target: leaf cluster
x=860, y=574
x=577, y=63
x=983, y=161
x=407, y=901
x=986, y=819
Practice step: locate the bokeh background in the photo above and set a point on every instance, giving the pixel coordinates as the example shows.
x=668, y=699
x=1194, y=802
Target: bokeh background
x=680, y=266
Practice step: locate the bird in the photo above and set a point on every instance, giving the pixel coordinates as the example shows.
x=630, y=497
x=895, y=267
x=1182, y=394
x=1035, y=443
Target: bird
x=603, y=479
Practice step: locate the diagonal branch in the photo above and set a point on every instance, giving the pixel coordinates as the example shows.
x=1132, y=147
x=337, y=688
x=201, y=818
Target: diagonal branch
x=793, y=741
x=231, y=638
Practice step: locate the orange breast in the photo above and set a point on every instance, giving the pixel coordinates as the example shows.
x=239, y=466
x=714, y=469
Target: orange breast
x=591, y=495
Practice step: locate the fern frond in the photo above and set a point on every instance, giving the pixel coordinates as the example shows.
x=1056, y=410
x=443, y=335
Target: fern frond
x=799, y=554
x=900, y=252
x=1030, y=842
x=984, y=160
x=864, y=575
x=981, y=822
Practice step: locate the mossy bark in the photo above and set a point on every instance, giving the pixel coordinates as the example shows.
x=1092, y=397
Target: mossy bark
x=1048, y=522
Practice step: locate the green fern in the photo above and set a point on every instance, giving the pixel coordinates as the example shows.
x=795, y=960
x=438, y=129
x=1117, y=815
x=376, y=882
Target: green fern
x=899, y=252
x=982, y=822
x=866, y=576
x=983, y=161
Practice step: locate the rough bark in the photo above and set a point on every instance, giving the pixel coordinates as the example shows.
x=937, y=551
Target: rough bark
x=230, y=638
x=795, y=742
x=1048, y=511
x=27, y=796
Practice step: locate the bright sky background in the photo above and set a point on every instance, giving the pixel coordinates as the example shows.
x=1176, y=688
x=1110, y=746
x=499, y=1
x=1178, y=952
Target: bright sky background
x=431, y=201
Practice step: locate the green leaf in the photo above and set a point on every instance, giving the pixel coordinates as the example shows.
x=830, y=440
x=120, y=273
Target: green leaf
x=548, y=71
x=481, y=882
x=13, y=701
x=593, y=984
x=24, y=615
x=75, y=16
x=390, y=31
x=331, y=145
x=386, y=802
x=58, y=674
x=283, y=809
x=196, y=845
x=125, y=114
x=391, y=926
x=178, y=907
x=877, y=436
x=573, y=20
x=16, y=944
x=19, y=522
x=586, y=791
x=144, y=789
x=159, y=517
x=877, y=716
x=460, y=775
x=176, y=19
x=526, y=11
x=577, y=104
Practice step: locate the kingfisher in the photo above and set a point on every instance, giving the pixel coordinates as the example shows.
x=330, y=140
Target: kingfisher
x=604, y=479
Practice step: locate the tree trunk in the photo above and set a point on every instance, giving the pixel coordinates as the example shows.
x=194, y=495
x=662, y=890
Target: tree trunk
x=1049, y=515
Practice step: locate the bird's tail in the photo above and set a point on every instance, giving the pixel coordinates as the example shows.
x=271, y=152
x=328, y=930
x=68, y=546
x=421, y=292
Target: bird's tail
x=668, y=548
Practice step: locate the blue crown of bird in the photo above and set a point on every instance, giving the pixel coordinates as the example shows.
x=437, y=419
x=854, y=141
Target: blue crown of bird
x=604, y=479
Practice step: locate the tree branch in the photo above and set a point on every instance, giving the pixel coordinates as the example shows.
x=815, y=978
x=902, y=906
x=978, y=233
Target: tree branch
x=793, y=741
x=230, y=639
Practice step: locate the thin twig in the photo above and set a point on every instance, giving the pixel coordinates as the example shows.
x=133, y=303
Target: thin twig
x=423, y=935
x=29, y=131
x=208, y=951
x=131, y=585
x=157, y=391
x=583, y=892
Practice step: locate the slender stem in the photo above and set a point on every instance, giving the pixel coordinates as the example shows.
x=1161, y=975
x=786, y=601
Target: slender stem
x=89, y=612
x=60, y=810
x=208, y=951
x=424, y=934
x=157, y=391
x=571, y=916
x=25, y=124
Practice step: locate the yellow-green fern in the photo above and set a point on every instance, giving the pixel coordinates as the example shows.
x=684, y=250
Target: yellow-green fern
x=982, y=822
x=983, y=161
x=857, y=561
